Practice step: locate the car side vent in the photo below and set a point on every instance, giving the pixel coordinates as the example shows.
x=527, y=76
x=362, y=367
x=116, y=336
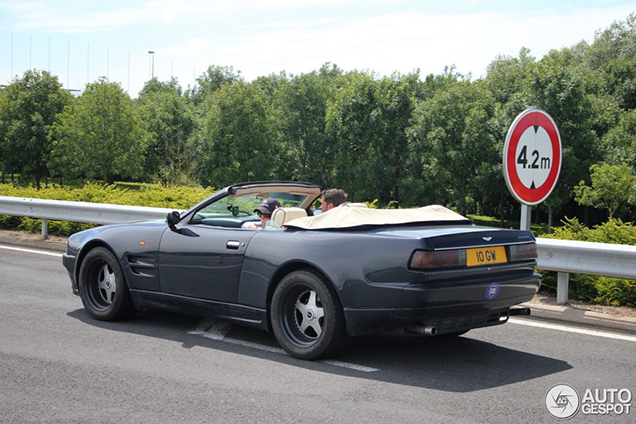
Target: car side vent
x=142, y=265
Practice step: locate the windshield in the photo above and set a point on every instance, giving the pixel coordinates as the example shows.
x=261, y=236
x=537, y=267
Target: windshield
x=244, y=205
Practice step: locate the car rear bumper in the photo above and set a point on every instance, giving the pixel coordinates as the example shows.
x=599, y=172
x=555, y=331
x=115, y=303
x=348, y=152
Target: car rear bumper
x=448, y=308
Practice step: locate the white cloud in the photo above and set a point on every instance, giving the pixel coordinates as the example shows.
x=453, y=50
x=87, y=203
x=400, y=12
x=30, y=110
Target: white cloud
x=73, y=16
x=259, y=37
x=401, y=42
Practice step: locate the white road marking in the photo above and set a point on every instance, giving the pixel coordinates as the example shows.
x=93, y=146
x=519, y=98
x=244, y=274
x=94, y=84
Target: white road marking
x=39, y=252
x=212, y=329
x=350, y=366
x=217, y=330
x=569, y=329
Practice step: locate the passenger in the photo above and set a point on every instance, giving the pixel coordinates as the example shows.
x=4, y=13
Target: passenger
x=264, y=212
x=332, y=198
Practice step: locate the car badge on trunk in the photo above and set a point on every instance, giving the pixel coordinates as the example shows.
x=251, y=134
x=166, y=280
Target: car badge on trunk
x=487, y=238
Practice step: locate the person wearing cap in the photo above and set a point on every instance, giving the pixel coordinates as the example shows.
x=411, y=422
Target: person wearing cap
x=264, y=212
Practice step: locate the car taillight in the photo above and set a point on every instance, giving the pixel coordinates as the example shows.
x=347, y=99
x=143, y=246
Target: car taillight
x=438, y=259
x=522, y=252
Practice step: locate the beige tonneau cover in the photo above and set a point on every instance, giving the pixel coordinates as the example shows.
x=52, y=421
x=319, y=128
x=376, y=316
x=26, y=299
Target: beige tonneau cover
x=351, y=217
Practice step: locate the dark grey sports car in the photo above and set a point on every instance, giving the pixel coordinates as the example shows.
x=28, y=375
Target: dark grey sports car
x=315, y=281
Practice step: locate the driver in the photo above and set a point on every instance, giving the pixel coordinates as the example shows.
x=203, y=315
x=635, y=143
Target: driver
x=264, y=212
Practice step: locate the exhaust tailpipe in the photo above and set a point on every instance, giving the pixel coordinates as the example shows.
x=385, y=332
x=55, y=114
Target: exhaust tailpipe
x=419, y=328
x=519, y=311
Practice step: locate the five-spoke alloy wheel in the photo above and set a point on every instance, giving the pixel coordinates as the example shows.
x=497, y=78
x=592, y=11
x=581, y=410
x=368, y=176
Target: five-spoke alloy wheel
x=306, y=316
x=103, y=288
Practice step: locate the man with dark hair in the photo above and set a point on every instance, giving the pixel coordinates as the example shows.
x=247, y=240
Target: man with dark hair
x=332, y=198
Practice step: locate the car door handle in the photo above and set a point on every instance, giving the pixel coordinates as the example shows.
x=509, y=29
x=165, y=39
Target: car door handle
x=233, y=244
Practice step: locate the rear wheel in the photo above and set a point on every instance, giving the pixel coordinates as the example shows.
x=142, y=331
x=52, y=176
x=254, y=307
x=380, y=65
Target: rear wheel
x=103, y=288
x=306, y=316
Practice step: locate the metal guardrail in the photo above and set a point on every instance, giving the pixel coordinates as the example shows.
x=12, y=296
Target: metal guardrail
x=59, y=210
x=563, y=256
x=582, y=257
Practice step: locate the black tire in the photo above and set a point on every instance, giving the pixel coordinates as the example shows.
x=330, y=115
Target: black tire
x=306, y=316
x=103, y=288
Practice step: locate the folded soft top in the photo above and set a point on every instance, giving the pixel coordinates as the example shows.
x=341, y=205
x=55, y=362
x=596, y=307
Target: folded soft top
x=351, y=217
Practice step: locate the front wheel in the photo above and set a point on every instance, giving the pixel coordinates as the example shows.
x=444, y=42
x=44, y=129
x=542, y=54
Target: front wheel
x=103, y=288
x=306, y=316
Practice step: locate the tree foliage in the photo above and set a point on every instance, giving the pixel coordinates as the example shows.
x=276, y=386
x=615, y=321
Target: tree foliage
x=611, y=187
x=211, y=81
x=100, y=135
x=619, y=143
x=613, y=56
x=302, y=105
x=237, y=137
x=455, y=154
x=367, y=120
x=28, y=108
x=171, y=153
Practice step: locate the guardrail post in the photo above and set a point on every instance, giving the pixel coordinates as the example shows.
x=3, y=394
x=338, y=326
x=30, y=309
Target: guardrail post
x=562, y=288
x=45, y=228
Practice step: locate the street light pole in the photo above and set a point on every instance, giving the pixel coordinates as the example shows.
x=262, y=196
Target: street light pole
x=152, y=61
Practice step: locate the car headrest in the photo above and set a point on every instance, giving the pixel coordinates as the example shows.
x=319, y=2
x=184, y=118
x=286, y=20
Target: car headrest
x=282, y=215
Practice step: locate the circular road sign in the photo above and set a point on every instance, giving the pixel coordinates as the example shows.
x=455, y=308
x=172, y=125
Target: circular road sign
x=532, y=156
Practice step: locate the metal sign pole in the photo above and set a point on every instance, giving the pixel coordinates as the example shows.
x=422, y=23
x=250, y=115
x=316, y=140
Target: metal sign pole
x=526, y=214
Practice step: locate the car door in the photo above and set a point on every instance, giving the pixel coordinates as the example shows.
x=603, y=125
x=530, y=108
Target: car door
x=202, y=261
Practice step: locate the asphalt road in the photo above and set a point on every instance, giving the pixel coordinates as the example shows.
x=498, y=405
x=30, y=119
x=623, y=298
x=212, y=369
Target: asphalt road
x=57, y=365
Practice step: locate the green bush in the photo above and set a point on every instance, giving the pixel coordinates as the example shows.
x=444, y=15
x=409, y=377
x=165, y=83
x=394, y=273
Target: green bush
x=144, y=195
x=590, y=288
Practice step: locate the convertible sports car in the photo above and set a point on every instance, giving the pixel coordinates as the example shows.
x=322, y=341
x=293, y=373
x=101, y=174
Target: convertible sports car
x=315, y=281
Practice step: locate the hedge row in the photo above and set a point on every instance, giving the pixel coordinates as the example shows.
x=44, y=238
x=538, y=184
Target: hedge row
x=144, y=195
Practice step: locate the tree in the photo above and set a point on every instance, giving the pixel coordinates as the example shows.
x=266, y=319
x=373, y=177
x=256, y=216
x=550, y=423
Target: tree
x=367, y=121
x=171, y=153
x=613, y=53
x=237, y=137
x=612, y=186
x=507, y=75
x=28, y=108
x=303, y=106
x=454, y=147
x=619, y=143
x=101, y=135
x=211, y=81
x=6, y=164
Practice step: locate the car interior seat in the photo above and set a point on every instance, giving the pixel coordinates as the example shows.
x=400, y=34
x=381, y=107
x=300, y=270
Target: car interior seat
x=283, y=215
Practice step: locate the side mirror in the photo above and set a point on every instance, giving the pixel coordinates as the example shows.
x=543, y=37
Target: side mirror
x=173, y=219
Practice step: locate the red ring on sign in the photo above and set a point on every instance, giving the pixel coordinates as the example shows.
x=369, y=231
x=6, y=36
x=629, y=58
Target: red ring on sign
x=523, y=193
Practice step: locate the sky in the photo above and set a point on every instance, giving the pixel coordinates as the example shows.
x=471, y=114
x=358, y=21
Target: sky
x=80, y=41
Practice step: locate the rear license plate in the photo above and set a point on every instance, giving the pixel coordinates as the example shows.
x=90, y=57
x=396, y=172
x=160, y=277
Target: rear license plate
x=486, y=256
